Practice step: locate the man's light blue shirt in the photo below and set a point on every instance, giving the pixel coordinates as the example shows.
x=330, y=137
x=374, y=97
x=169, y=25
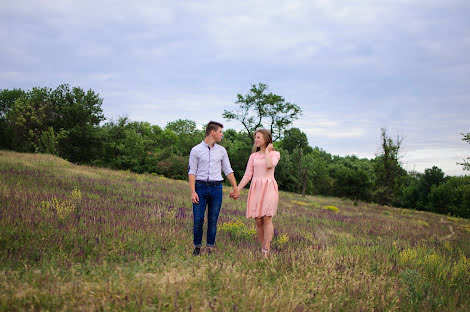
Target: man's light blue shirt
x=207, y=163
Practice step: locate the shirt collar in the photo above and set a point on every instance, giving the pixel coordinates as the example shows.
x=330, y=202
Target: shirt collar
x=207, y=145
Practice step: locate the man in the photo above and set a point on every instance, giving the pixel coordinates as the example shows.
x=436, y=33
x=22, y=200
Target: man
x=206, y=162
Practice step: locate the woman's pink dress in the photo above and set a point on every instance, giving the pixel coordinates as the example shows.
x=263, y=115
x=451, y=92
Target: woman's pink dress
x=263, y=196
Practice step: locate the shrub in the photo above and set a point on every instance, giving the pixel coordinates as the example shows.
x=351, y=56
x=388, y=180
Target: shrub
x=461, y=271
x=62, y=208
x=331, y=208
x=237, y=230
x=300, y=203
x=280, y=241
x=423, y=223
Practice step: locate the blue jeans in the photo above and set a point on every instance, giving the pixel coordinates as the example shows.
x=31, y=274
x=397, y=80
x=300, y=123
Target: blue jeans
x=210, y=195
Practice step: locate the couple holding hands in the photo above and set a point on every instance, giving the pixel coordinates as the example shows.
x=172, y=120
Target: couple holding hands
x=207, y=160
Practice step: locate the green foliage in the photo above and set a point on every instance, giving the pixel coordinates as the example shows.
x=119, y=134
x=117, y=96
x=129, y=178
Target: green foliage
x=452, y=196
x=238, y=231
x=352, y=177
x=331, y=208
x=258, y=109
x=238, y=146
x=31, y=115
x=295, y=138
x=62, y=208
x=466, y=162
x=280, y=242
x=63, y=121
x=388, y=169
x=78, y=114
x=187, y=136
x=416, y=287
x=7, y=102
x=66, y=122
x=286, y=176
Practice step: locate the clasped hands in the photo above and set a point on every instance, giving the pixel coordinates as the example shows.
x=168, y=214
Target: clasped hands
x=234, y=193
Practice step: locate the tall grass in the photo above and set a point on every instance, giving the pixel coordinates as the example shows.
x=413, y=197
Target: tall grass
x=82, y=238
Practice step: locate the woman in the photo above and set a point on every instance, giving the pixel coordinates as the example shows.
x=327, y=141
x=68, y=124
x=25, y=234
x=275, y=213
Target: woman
x=263, y=196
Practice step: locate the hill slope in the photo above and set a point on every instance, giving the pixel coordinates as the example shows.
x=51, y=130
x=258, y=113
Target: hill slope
x=87, y=238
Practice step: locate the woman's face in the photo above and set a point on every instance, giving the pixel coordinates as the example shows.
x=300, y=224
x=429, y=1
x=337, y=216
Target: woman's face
x=259, y=140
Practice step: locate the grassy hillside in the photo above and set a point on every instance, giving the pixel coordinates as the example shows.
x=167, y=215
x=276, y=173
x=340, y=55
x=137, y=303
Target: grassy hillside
x=78, y=237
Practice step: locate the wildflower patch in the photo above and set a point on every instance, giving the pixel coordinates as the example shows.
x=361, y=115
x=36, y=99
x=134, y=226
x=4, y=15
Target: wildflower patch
x=423, y=223
x=280, y=241
x=331, y=208
x=238, y=230
x=61, y=208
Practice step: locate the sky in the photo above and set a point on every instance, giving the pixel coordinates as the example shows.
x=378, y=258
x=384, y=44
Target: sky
x=353, y=67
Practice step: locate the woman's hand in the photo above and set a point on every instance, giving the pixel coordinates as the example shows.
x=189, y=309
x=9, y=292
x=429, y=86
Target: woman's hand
x=270, y=147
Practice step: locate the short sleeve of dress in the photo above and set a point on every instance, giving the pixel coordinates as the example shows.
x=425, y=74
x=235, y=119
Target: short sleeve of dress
x=275, y=156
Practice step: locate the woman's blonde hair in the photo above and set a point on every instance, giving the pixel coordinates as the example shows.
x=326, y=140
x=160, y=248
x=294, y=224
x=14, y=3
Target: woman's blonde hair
x=268, y=138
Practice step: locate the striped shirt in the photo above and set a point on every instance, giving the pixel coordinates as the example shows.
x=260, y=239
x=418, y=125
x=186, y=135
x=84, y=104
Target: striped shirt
x=207, y=163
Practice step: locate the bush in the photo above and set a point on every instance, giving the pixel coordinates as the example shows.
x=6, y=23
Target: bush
x=238, y=231
x=331, y=208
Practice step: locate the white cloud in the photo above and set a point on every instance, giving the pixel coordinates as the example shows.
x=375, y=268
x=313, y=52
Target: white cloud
x=353, y=67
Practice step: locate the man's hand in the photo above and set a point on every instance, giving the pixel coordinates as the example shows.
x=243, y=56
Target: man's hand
x=195, y=198
x=235, y=193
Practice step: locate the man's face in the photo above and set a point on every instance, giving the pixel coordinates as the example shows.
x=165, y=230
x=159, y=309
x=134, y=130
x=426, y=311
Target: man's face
x=218, y=134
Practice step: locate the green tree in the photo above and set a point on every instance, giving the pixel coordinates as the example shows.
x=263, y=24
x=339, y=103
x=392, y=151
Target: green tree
x=466, y=162
x=431, y=177
x=130, y=145
x=182, y=127
x=407, y=193
x=31, y=115
x=352, y=177
x=259, y=109
x=187, y=135
x=451, y=197
x=388, y=169
x=295, y=138
x=310, y=169
x=238, y=147
x=7, y=102
x=78, y=115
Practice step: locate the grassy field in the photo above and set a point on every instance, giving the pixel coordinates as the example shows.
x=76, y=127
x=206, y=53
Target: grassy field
x=83, y=238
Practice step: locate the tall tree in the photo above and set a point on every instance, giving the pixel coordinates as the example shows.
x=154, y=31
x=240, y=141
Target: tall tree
x=78, y=115
x=466, y=162
x=261, y=109
x=310, y=168
x=388, y=168
x=295, y=138
x=7, y=102
x=187, y=135
x=30, y=117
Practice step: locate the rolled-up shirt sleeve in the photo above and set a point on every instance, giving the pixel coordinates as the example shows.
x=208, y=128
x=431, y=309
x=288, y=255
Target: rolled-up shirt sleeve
x=227, y=169
x=193, y=160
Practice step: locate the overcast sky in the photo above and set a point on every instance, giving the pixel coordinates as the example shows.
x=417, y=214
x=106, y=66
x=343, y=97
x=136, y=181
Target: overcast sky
x=352, y=66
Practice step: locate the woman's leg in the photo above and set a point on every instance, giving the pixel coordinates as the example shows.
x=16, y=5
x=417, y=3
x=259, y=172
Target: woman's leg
x=260, y=231
x=268, y=232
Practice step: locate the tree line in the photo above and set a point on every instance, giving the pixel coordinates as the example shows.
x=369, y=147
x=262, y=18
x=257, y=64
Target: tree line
x=69, y=122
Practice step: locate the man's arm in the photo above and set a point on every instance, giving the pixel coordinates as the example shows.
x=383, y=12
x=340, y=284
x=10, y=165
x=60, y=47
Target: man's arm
x=192, y=175
x=192, y=186
x=235, y=193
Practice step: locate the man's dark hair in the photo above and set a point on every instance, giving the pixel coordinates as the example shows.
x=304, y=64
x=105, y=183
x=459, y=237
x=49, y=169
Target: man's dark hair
x=213, y=125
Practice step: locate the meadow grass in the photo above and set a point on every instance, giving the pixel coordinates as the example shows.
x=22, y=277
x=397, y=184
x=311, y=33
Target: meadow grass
x=84, y=238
